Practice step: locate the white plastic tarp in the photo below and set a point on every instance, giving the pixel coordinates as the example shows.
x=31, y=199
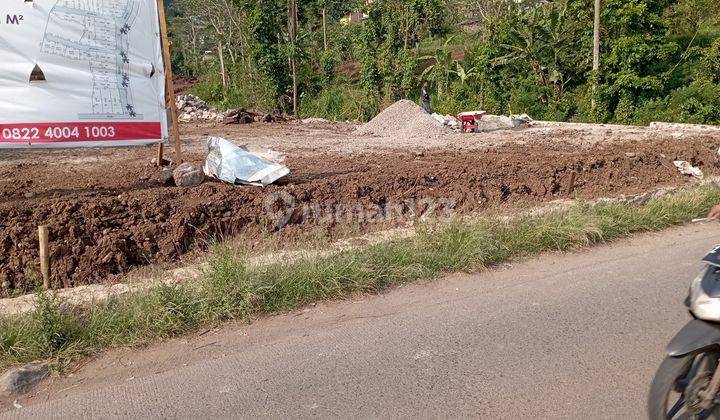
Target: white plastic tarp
x=101, y=60
x=237, y=165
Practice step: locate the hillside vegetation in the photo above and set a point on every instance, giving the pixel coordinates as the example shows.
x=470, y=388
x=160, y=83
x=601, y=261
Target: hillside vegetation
x=660, y=59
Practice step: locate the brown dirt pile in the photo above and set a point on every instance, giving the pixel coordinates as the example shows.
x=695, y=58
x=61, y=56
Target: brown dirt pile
x=106, y=219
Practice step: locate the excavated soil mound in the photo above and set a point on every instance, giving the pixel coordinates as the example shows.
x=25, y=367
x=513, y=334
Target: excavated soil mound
x=404, y=118
x=108, y=218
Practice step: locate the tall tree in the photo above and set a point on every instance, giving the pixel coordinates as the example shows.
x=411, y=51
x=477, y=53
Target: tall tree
x=292, y=21
x=266, y=20
x=636, y=54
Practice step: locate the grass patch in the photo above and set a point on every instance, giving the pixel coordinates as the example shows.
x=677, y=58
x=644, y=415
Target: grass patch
x=231, y=289
x=340, y=102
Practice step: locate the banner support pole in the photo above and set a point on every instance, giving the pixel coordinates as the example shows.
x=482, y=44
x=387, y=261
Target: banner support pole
x=169, y=88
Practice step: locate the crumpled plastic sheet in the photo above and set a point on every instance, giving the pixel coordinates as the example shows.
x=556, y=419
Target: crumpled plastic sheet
x=237, y=165
x=686, y=168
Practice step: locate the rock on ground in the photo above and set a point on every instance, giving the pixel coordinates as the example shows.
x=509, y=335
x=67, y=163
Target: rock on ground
x=166, y=175
x=22, y=379
x=188, y=175
x=192, y=108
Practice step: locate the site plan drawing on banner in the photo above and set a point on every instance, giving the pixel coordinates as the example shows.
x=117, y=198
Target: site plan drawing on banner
x=97, y=73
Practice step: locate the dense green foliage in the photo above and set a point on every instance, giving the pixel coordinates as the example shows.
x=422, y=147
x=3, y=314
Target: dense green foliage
x=660, y=59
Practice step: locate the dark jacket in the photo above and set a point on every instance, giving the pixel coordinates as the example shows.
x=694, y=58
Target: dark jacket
x=425, y=95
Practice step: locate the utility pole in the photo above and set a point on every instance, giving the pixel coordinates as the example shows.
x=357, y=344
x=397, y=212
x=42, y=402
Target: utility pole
x=596, y=48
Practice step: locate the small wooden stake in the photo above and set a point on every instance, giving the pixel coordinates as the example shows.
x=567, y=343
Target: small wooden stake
x=571, y=187
x=169, y=86
x=44, y=255
x=161, y=148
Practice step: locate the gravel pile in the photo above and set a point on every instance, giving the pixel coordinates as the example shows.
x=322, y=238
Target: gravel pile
x=495, y=122
x=404, y=118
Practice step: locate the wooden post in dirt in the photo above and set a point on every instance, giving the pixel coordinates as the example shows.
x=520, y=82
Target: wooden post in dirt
x=169, y=87
x=44, y=237
x=571, y=184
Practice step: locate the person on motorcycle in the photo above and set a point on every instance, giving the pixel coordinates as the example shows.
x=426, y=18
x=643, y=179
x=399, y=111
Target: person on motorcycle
x=687, y=383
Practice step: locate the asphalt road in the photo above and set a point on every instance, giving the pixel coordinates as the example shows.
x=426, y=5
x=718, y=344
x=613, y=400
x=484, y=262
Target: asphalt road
x=561, y=336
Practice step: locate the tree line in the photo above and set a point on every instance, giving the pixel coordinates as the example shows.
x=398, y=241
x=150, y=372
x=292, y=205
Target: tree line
x=660, y=59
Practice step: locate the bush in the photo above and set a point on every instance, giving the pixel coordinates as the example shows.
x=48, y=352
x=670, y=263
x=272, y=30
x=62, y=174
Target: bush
x=340, y=102
x=345, y=41
x=711, y=62
x=625, y=110
x=526, y=97
x=457, y=99
x=698, y=103
x=247, y=89
x=328, y=61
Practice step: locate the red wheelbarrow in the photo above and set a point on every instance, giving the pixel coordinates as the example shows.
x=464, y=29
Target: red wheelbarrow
x=469, y=121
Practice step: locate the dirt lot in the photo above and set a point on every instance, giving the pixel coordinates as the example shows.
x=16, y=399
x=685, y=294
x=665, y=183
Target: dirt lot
x=109, y=214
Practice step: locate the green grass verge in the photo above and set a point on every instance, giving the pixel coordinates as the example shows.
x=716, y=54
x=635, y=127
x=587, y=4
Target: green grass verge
x=230, y=289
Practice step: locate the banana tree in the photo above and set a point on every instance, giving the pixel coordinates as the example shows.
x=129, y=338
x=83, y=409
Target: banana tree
x=440, y=72
x=546, y=40
x=465, y=74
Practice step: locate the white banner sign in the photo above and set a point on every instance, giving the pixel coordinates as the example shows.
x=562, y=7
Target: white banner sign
x=81, y=73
